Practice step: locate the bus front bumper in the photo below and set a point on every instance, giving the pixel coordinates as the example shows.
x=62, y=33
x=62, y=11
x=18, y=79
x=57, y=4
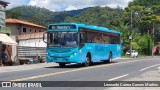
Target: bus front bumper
x=68, y=59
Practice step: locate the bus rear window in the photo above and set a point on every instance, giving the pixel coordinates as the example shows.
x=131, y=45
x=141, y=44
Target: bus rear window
x=60, y=27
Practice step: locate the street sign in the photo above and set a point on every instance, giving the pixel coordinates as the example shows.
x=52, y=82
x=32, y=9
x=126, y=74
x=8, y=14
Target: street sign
x=130, y=37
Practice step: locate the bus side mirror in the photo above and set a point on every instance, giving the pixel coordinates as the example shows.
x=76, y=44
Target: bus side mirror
x=45, y=37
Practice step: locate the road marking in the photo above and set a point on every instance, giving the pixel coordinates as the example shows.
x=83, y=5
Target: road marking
x=118, y=77
x=67, y=71
x=149, y=67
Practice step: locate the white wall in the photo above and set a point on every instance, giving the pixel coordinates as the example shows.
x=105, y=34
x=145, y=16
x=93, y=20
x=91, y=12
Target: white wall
x=14, y=50
x=33, y=43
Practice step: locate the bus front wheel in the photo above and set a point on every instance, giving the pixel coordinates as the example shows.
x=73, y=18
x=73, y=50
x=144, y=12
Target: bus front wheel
x=62, y=64
x=88, y=61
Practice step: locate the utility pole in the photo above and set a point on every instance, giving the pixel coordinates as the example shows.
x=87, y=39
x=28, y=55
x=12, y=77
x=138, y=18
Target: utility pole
x=130, y=37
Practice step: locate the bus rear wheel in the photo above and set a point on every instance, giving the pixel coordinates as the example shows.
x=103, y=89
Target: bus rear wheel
x=88, y=61
x=109, y=60
x=62, y=64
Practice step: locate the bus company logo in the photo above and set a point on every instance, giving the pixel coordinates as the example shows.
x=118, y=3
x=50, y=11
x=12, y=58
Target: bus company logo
x=118, y=47
x=6, y=84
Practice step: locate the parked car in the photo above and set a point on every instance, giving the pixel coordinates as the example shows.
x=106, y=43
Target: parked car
x=133, y=53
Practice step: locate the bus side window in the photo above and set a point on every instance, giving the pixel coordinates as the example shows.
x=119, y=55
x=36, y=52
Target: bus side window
x=104, y=39
x=111, y=39
x=89, y=37
x=82, y=37
x=116, y=39
x=107, y=39
x=75, y=37
x=96, y=39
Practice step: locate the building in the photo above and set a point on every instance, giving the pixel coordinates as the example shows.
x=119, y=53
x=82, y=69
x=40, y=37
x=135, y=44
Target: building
x=29, y=37
x=5, y=41
x=26, y=33
x=19, y=27
x=3, y=29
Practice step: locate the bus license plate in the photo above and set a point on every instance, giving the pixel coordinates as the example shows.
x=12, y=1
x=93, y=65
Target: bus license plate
x=59, y=58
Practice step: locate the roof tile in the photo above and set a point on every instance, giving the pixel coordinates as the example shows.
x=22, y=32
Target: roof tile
x=10, y=20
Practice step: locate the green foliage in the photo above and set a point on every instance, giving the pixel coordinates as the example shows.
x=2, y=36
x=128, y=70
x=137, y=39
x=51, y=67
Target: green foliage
x=146, y=3
x=146, y=18
x=135, y=46
x=145, y=44
x=117, y=19
x=30, y=13
x=38, y=15
x=144, y=14
x=101, y=16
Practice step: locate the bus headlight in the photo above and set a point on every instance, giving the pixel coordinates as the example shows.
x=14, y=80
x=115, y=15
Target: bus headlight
x=80, y=51
x=71, y=56
x=75, y=53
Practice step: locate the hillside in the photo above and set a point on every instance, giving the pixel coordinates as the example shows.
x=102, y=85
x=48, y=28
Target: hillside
x=40, y=16
x=101, y=16
x=146, y=3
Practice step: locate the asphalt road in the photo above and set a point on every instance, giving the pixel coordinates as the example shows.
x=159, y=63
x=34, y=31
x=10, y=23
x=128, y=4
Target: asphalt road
x=119, y=70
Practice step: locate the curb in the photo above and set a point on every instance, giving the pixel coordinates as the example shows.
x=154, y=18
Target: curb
x=25, y=67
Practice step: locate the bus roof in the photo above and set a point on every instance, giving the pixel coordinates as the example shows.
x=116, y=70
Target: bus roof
x=97, y=28
x=93, y=27
x=72, y=23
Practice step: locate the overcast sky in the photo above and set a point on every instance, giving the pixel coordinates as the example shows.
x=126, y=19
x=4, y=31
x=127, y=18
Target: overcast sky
x=61, y=5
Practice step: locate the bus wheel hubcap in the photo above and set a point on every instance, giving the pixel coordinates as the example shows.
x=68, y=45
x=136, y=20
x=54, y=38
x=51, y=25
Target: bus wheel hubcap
x=110, y=58
x=87, y=61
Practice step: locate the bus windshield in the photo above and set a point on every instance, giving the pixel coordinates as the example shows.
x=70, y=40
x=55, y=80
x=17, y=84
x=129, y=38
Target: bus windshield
x=62, y=39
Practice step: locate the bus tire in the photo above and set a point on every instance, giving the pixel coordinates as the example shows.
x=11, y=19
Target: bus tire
x=62, y=64
x=105, y=61
x=110, y=58
x=88, y=60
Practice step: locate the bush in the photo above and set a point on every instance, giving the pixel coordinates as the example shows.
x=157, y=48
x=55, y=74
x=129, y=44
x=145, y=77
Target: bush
x=145, y=43
x=135, y=46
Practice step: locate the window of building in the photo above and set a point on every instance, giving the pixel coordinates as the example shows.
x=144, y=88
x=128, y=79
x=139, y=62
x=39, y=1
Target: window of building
x=18, y=28
x=24, y=30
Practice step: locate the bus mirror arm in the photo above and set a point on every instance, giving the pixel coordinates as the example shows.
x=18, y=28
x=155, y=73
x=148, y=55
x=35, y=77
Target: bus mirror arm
x=44, y=37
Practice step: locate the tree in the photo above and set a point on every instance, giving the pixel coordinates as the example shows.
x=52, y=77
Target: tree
x=148, y=14
x=39, y=18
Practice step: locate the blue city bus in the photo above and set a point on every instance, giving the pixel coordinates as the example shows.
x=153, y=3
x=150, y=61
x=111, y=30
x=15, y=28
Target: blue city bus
x=80, y=43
